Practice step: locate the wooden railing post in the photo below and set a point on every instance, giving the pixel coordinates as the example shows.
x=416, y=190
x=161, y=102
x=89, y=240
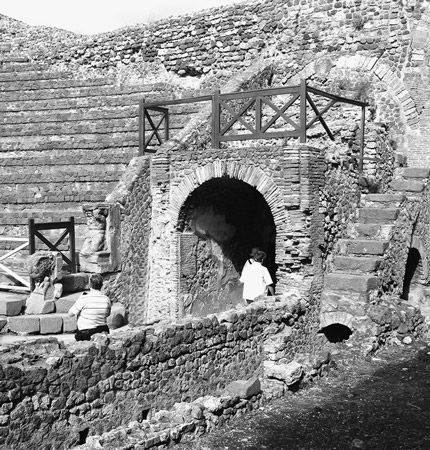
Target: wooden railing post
x=31, y=237
x=303, y=111
x=141, y=127
x=258, y=114
x=216, y=118
x=72, y=244
x=362, y=127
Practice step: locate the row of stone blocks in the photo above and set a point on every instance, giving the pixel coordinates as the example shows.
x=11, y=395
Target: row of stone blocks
x=40, y=324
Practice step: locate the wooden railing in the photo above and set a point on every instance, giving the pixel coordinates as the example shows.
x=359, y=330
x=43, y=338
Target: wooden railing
x=24, y=284
x=253, y=115
x=34, y=231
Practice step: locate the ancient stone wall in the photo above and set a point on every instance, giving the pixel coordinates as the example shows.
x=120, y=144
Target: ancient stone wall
x=377, y=47
x=130, y=286
x=225, y=36
x=49, y=394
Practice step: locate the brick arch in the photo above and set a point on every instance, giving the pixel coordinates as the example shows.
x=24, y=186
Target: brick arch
x=375, y=66
x=251, y=175
x=341, y=317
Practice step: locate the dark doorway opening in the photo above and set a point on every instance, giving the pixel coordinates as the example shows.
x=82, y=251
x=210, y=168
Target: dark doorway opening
x=336, y=332
x=83, y=434
x=412, y=272
x=219, y=223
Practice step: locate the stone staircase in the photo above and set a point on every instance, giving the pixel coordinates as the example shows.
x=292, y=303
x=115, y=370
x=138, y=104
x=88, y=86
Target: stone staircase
x=353, y=272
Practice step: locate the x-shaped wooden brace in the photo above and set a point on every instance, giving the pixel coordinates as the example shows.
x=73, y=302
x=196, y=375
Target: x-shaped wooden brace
x=319, y=114
x=280, y=112
x=155, y=128
x=237, y=116
x=52, y=246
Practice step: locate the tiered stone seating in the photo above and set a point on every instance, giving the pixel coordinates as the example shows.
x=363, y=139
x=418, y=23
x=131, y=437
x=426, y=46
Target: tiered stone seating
x=65, y=141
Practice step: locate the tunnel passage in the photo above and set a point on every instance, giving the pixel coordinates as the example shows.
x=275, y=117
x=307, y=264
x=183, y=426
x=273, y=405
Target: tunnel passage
x=413, y=273
x=219, y=223
x=336, y=332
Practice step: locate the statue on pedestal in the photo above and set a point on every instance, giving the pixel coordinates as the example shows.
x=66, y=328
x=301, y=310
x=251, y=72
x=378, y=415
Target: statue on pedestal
x=95, y=240
x=45, y=271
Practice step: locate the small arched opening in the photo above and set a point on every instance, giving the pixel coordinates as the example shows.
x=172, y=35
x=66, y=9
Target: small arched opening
x=218, y=224
x=336, y=332
x=413, y=273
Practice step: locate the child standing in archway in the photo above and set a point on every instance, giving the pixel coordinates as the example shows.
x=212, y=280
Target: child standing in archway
x=255, y=277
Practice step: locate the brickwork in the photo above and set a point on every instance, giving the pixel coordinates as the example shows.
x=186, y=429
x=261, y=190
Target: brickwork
x=287, y=178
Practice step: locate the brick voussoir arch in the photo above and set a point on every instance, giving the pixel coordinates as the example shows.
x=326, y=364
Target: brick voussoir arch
x=340, y=317
x=251, y=175
x=380, y=69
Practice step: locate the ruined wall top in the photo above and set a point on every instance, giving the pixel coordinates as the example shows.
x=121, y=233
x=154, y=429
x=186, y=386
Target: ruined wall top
x=232, y=36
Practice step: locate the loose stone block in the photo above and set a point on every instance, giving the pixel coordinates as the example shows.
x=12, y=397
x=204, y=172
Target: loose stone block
x=24, y=324
x=10, y=307
x=75, y=282
x=116, y=318
x=272, y=388
x=63, y=304
x=51, y=324
x=289, y=373
x=69, y=323
x=34, y=303
x=244, y=388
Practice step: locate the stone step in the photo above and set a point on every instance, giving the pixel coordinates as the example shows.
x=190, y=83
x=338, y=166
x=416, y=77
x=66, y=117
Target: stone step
x=407, y=185
x=350, y=282
x=30, y=158
x=382, y=200
x=70, y=115
x=104, y=111
x=6, y=77
x=377, y=215
x=49, y=195
x=372, y=230
x=12, y=63
x=413, y=172
x=40, y=215
x=65, y=141
x=112, y=99
x=88, y=90
x=51, y=84
x=78, y=127
x=356, y=263
x=61, y=173
x=362, y=247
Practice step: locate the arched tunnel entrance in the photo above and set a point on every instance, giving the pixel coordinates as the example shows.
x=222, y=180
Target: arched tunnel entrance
x=219, y=223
